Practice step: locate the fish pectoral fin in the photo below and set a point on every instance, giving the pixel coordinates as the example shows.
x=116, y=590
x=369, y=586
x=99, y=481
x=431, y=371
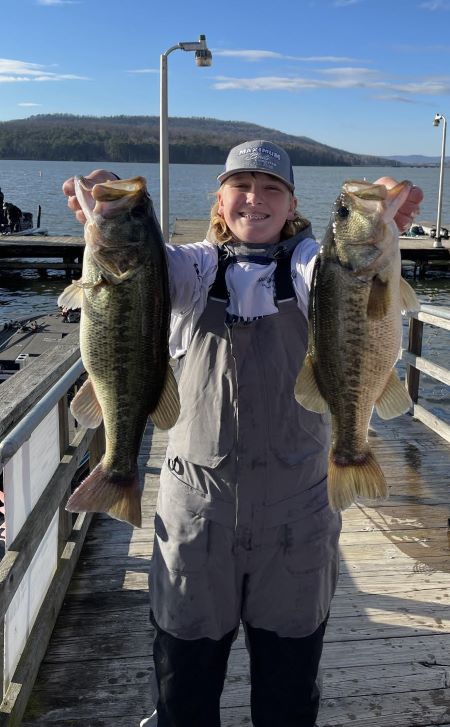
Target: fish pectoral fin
x=86, y=408
x=409, y=300
x=116, y=278
x=167, y=410
x=306, y=390
x=394, y=400
x=72, y=296
x=379, y=298
x=110, y=271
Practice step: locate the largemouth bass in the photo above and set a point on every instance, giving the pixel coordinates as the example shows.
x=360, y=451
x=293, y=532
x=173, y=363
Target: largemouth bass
x=125, y=310
x=355, y=330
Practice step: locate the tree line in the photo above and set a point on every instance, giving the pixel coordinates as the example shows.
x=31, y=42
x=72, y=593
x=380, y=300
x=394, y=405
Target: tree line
x=67, y=137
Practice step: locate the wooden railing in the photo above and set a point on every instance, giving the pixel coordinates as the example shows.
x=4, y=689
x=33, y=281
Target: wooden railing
x=40, y=454
x=415, y=364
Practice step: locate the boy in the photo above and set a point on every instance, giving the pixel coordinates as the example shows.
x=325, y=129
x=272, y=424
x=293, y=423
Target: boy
x=243, y=527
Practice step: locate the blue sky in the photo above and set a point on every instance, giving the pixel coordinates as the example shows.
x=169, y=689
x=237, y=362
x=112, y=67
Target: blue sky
x=362, y=75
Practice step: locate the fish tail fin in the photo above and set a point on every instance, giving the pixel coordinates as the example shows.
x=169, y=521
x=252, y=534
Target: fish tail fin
x=354, y=481
x=103, y=491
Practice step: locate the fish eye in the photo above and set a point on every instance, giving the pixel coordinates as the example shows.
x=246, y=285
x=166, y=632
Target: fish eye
x=343, y=212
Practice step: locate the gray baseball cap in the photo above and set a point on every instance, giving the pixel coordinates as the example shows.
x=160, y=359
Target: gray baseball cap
x=259, y=156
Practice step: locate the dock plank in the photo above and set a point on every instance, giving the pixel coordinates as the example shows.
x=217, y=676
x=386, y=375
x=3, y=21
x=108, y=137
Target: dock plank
x=386, y=660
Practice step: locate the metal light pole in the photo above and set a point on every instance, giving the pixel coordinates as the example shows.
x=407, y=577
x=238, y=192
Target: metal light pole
x=436, y=120
x=203, y=57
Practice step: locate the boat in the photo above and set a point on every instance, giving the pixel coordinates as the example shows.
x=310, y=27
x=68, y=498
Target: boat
x=21, y=341
x=28, y=231
x=428, y=229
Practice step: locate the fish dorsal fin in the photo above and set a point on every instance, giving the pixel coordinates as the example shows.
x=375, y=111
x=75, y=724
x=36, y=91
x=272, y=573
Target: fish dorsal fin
x=409, y=300
x=379, y=299
x=306, y=390
x=86, y=408
x=394, y=400
x=71, y=297
x=167, y=410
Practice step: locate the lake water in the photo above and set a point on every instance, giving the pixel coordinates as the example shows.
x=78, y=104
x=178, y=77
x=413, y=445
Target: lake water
x=192, y=186
x=32, y=183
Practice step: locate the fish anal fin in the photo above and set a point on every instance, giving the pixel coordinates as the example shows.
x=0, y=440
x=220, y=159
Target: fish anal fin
x=394, y=400
x=167, y=410
x=71, y=297
x=379, y=298
x=409, y=300
x=103, y=491
x=355, y=481
x=85, y=406
x=306, y=390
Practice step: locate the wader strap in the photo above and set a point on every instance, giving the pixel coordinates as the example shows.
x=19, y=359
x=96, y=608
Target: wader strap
x=284, y=288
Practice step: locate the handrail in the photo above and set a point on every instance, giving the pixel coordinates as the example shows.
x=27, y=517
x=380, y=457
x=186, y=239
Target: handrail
x=416, y=363
x=41, y=535
x=23, y=430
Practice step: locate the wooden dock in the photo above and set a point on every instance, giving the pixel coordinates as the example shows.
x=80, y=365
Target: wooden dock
x=65, y=252
x=386, y=661
x=42, y=253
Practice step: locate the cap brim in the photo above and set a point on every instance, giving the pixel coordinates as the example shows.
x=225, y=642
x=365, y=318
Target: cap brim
x=222, y=177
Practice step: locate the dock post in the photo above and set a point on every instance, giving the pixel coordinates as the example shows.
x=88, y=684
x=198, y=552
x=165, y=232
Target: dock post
x=415, y=347
x=65, y=518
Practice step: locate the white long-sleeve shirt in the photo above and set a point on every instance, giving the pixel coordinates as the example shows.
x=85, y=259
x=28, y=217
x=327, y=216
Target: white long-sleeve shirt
x=192, y=271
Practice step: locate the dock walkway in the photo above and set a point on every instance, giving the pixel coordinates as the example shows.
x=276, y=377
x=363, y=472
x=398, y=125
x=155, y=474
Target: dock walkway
x=386, y=661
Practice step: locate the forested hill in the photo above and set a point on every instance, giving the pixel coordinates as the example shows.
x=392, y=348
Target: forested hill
x=136, y=139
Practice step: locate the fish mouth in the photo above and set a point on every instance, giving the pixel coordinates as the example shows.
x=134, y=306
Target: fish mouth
x=364, y=195
x=108, y=199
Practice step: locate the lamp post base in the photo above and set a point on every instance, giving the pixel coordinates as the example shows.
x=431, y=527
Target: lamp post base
x=438, y=243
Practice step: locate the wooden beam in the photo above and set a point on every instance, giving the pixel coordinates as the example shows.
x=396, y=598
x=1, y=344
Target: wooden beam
x=432, y=421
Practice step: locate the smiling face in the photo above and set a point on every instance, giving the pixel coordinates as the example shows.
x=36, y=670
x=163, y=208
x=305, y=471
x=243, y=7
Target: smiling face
x=255, y=206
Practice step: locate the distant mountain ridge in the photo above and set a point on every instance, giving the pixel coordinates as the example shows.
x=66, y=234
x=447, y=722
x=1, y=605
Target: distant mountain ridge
x=417, y=160
x=67, y=137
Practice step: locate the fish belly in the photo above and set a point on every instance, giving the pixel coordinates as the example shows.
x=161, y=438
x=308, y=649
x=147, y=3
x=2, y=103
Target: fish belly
x=124, y=350
x=354, y=355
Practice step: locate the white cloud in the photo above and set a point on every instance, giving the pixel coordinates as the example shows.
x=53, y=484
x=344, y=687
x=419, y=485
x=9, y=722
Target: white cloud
x=265, y=83
x=29, y=104
x=260, y=55
x=144, y=70
x=396, y=98
x=336, y=78
x=13, y=71
x=435, y=5
x=424, y=48
x=58, y=2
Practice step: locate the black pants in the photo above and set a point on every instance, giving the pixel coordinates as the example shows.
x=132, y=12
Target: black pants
x=190, y=677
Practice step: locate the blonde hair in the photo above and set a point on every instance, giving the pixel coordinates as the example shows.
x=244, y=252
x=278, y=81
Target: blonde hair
x=220, y=233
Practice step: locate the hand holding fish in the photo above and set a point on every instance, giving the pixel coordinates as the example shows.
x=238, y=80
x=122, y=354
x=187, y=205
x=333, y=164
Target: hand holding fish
x=98, y=176
x=410, y=207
